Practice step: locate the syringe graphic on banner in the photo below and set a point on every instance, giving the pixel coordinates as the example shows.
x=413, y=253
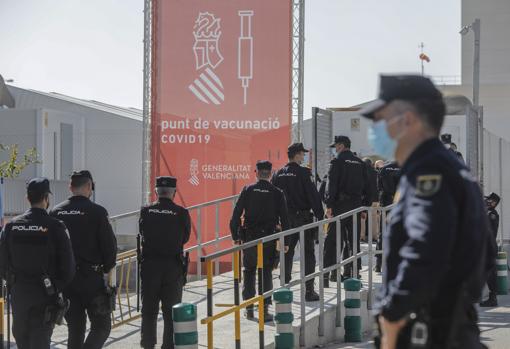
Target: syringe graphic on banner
x=245, y=52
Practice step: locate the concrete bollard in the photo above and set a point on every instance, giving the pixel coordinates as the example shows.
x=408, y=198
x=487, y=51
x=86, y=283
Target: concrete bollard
x=352, y=319
x=502, y=276
x=284, y=338
x=185, y=326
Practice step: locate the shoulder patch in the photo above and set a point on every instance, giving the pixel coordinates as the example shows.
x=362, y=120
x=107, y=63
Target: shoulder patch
x=428, y=185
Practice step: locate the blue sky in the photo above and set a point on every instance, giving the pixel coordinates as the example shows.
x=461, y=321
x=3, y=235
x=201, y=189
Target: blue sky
x=92, y=49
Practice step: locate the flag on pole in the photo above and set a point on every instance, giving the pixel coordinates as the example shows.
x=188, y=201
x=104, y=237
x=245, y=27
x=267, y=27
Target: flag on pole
x=424, y=57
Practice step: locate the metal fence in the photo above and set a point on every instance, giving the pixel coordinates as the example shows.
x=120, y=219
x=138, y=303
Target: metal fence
x=354, y=259
x=125, y=273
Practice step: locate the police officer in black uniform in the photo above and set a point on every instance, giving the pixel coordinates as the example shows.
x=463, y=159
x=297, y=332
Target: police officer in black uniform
x=387, y=183
x=95, y=249
x=446, y=138
x=302, y=197
x=438, y=243
x=264, y=208
x=37, y=261
x=492, y=201
x=347, y=190
x=164, y=228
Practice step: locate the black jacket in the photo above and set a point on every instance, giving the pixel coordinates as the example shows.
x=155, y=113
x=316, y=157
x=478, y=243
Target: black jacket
x=264, y=207
x=347, y=181
x=388, y=179
x=438, y=238
x=92, y=237
x=32, y=245
x=165, y=228
x=300, y=192
x=493, y=221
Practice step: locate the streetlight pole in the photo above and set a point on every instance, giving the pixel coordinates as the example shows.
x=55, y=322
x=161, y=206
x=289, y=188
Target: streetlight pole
x=476, y=63
x=476, y=28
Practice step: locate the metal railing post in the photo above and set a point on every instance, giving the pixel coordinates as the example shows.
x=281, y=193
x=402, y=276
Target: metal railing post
x=321, y=280
x=355, y=245
x=302, y=287
x=338, y=319
x=210, y=335
x=199, y=243
x=260, y=276
x=370, y=256
x=282, y=261
x=217, y=236
x=237, y=301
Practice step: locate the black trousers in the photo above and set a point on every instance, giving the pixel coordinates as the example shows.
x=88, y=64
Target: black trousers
x=86, y=286
x=347, y=235
x=28, y=327
x=162, y=281
x=76, y=318
x=299, y=219
x=493, y=275
x=250, y=270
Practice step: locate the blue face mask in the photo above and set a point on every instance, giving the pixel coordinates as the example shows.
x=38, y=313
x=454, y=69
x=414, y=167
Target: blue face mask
x=380, y=141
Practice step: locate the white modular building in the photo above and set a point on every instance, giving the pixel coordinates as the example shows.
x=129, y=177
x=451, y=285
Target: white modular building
x=69, y=134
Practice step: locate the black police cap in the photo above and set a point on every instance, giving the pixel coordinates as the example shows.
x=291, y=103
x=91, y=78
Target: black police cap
x=341, y=140
x=296, y=148
x=494, y=197
x=264, y=165
x=39, y=185
x=446, y=138
x=166, y=182
x=401, y=87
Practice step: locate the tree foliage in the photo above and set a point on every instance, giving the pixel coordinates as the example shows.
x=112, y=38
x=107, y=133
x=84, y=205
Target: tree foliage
x=16, y=163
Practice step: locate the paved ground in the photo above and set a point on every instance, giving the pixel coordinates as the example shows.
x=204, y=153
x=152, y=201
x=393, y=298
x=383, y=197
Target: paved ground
x=495, y=322
x=494, y=325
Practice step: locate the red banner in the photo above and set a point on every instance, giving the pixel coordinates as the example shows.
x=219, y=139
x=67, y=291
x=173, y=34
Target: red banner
x=221, y=92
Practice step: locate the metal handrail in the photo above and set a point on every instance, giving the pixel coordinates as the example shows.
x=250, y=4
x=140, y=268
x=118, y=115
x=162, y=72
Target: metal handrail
x=125, y=260
x=357, y=255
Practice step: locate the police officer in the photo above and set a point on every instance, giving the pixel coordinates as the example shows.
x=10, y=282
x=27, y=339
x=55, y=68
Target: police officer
x=264, y=208
x=95, y=249
x=438, y=240
x=446, y=138
x=164, y=227
x=347, y=190
x=37, y=261
x=492, y=201
x=302, y=197
x=387, y=183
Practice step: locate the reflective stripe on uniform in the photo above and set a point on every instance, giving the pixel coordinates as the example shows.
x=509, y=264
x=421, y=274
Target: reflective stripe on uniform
x=502, y=273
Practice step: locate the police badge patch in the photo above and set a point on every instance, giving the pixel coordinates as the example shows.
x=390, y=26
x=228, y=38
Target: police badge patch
x=428, y=185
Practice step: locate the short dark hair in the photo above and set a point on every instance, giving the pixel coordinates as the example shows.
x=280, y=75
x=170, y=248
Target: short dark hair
x=264, y=173
x=430, y=111
x=78, y=182
x=36, y=197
